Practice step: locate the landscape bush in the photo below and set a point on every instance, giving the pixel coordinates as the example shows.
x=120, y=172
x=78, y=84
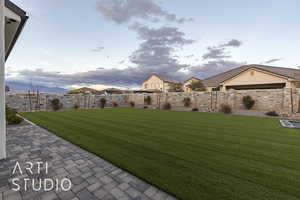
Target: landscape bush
x=195, y=109
x=225, y=108
x=272, y=113
x=115, y=104
x=55, y=104
x=102, y=102
x=145, y=107
x=132, y=103
x=167, y=106
x=11, y=116
x=76, y=106
x=248, y=102
x=148, y=100
x=187, y=102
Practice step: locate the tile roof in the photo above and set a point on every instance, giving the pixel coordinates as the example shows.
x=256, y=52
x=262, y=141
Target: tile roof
x=219, y=78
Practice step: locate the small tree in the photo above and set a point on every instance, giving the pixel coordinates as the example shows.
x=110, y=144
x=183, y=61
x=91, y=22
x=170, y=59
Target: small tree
x=197, y=86
x=225, y=108
x=132, y=103
x=187, y=101
x=55, y=104
x=176, y=87
x=115, y=104
x=248, y=102
x=102, y=102
x=148, y=100
x=167, y=106
x=76, y=106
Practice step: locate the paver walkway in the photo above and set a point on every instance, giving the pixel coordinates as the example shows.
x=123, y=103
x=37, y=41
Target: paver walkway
x=91, y=176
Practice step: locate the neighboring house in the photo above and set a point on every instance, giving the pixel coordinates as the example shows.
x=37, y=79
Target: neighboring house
x=188, y=82
x=12, y=21
x=158, y=83
x=254, y=77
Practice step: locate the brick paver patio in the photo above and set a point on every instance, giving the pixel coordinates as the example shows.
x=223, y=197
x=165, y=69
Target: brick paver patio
x=91, y=176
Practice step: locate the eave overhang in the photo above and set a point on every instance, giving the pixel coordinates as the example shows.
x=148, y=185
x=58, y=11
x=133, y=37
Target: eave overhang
x=15, y=19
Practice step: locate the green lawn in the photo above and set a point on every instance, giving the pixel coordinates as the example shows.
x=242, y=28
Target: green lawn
x=190, y=155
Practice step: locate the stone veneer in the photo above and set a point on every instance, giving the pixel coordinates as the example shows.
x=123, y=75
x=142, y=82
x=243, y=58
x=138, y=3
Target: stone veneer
x=282, y=100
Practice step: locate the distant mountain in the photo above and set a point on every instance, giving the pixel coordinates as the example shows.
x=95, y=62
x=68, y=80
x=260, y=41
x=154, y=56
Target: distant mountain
x=18, y=87
x=84, y=90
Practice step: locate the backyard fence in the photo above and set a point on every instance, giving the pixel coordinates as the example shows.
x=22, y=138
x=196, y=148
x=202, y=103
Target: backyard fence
x=281, y=100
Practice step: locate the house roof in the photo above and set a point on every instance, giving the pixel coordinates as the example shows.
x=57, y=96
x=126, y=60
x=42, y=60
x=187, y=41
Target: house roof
x=18, y=11
x=192, y=78
x=281, y=71
x=163, y=79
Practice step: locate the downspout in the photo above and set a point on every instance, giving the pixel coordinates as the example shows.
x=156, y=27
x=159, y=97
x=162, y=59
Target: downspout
x=292, y=104
x=2, y=84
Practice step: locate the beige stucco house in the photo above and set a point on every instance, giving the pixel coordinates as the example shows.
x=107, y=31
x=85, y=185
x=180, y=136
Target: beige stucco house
x=158, y=83
x=188, y=82
x=254, y=77
x=245, y=77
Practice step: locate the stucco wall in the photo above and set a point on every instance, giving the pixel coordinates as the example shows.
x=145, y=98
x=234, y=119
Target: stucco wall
x=252, y=76
x=154, y=83
x=282, y=100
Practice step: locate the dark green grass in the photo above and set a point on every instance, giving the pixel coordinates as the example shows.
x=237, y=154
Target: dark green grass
x=190, y=155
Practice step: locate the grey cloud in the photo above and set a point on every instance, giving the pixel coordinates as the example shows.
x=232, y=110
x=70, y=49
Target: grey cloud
x=128, y=77
x=215, y=53
x=122, y=11
x=273, y=60
x=232, y=43
x=213, y=67
x=156, y=51
x=98, y=49
x=220, y=51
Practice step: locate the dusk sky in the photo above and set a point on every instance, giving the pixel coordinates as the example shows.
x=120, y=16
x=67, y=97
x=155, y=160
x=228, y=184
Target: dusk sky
x=121, y=42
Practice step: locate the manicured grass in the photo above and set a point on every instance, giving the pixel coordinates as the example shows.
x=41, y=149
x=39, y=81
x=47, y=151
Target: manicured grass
x=190, y=155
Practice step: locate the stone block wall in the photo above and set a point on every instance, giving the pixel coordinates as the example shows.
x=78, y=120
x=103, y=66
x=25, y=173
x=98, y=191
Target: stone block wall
x=282, y=100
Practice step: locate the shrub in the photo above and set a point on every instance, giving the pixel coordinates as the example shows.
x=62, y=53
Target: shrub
x=102, y=102
x=14, y=119
x=11, y=116
x=248, y=102
x=167, y=106
x=272, y=113
x=145, y=107
x=55, y=104
x=76, y=106
x=225, y=108
x=115, y=104
x=187, y=102
x=195, y=109
x=148, y=100
x=132, y=104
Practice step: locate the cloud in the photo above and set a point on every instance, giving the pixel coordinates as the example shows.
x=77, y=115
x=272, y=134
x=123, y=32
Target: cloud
x=273, y=60
x=215, y=53
x=122, y=11
x=98, y=49
x=220, y=51
x=213, y=67
x=232, y=43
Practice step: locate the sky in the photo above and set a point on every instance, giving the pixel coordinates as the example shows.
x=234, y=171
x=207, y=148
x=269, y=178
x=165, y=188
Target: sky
x=119, y=43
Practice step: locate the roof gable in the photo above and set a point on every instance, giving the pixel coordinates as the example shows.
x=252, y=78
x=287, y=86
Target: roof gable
x=280, y=71
x=162, y=78
x=192, y=79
